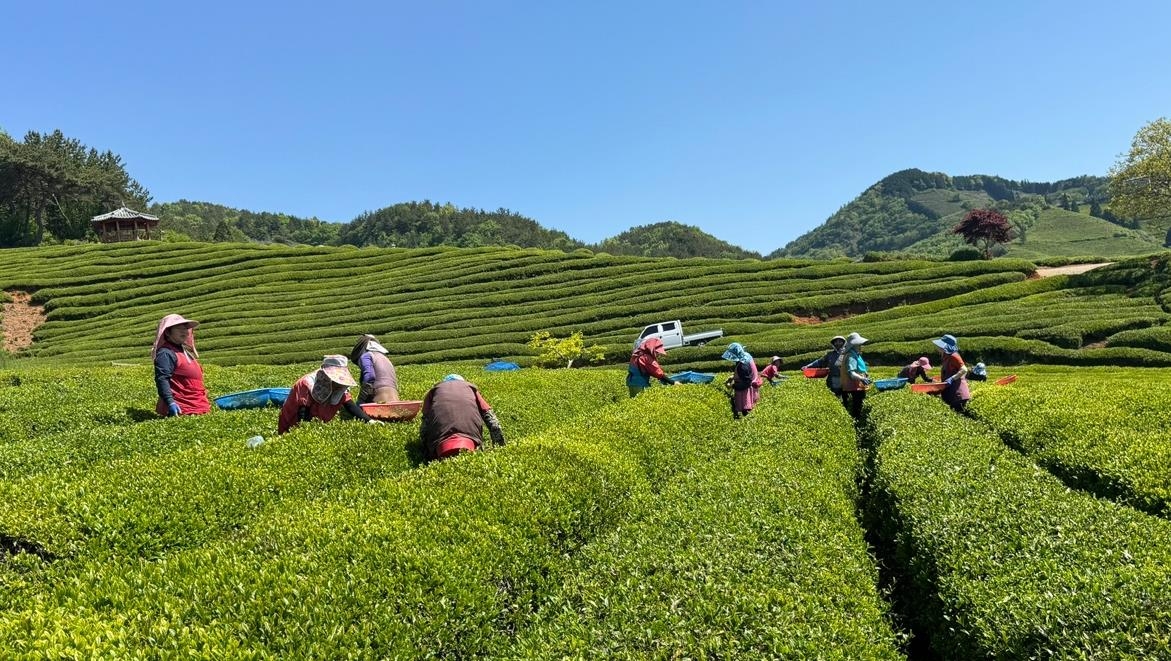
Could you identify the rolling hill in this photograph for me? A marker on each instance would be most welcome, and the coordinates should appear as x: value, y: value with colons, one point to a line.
x: 913, y: 212
x: 277, y: 304
x: 672, y: 239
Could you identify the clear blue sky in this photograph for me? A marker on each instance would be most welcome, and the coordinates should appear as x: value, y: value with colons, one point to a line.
x: 753, y: 120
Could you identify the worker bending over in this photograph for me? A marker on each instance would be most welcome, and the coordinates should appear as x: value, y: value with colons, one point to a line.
x: 771, y: 372
x: 454, y: 415
x: 644, y: 366
x: 379, y: 380
x: 916, y: 370
x: 320, y: 395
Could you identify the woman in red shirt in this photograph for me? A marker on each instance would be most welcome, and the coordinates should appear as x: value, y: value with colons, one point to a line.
x: 178, y: 375
x: 320, y: 395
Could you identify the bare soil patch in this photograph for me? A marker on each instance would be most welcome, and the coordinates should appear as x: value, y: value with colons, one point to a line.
x: 1072, y: 269
x: 19, y: 320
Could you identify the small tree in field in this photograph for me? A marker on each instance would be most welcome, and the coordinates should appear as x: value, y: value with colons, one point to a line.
x: 983, y: 229
x: 562, y: 351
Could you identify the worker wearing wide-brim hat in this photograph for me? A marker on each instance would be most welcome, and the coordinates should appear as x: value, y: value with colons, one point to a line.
x: 916, y: 370
x: 854, y: 374
x: 454, y: 416
x: 830, y: 361
x: 772, y: 371
x: 978, y: 373
x: 178, y: 375
x: 953, y: 371
x: 320, y: 394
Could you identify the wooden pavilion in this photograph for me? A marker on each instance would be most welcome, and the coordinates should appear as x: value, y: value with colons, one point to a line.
x: 124, y: 225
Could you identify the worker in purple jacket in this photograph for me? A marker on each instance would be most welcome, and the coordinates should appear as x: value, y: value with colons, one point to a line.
x: 379, y: 381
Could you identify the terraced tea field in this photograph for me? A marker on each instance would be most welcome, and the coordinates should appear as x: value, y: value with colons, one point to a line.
x: 279, y: 305
x: 608, y: 527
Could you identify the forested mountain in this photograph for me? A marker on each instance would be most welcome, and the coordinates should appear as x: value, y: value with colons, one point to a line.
x: 51, y: 185
x: 425, y: 224
x: 205, y: 221
x: 671, y: 239
x: 912, y: 207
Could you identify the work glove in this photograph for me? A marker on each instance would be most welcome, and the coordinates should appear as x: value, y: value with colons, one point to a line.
x: 949, y: 380
x: 867, y: 381
x: 372, y: 421
x: 173, y: 409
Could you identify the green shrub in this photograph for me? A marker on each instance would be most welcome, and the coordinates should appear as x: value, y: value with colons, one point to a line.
x: 1000, y: 559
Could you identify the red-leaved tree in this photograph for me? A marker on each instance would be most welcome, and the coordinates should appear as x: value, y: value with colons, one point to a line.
x: 984, y: 228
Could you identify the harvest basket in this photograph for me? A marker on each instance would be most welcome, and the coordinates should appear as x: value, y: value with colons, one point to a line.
x: 253, y: 399
x: 890, y: 384
x: 929, y: 388
x: 393, y: 411
x: 815, y: 372
x: 1004, y: 381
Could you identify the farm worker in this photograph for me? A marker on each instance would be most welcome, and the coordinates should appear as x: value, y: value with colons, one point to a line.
x: 917, y: 369
x: 321, y: 394
x: 379, y: 381
x: 771, y: 372
x: 643, y: 366
x: 178, y: 376
x: 454, y: 415
x: 854, y: 375
x: 952, y: 371
x: 829, y: 361
x: 979, y: 373
x: 745, y: 380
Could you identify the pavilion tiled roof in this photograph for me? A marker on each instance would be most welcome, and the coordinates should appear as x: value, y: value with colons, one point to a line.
x: 123, y: 214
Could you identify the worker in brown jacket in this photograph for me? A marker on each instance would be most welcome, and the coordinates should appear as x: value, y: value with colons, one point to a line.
x: 454, y: 416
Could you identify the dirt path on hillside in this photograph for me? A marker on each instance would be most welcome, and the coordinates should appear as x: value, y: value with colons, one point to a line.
x: 18, y: 321
x: 1072, y: 269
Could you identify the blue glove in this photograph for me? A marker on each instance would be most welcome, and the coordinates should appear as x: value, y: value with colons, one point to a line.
x: 949, y: 380
x: 173, y: 409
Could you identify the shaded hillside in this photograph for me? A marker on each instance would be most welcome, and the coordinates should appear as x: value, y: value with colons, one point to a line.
x: 671, y: 239
x: 912, y: 206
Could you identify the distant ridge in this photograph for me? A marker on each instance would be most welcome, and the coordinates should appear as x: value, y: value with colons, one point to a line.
x: 913, y: 211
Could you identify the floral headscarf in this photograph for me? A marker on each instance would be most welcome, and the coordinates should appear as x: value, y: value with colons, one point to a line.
x: 737, y: 354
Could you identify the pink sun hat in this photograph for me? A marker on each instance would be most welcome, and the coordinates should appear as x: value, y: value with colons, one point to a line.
x: 169, y: 321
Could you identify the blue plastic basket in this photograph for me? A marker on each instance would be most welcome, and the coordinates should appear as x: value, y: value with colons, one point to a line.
x: 890, y: 384
x: 253, y: 399
x: 692, y: 377
x: 501, y: 366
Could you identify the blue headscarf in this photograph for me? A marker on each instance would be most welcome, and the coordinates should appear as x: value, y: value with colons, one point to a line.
x: 737, y: 354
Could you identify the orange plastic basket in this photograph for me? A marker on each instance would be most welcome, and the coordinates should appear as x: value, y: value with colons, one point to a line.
x: 393, y: 411
x: 929, y: 388
x: 815, y: 372
x: 1006, y: 380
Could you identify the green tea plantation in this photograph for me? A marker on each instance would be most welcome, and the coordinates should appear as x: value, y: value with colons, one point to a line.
x: 1034, y: 526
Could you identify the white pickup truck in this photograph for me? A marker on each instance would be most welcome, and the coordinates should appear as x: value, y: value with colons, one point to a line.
x: 671, y: 334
